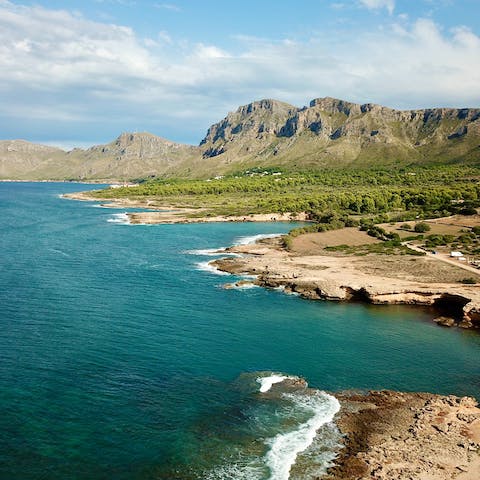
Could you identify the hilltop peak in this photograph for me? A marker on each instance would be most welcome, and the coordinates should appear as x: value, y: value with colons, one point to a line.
x: 128, y: 138
x: 267, y: 104
x: 25, y: 146
x: 336, y: 105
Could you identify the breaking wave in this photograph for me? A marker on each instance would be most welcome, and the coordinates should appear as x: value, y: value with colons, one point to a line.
x: 211, y: 252
x: 206, y: 267
x: 285, y: 447
x: 249, y: 240
x: 119, y: 218
x: 292, y: 429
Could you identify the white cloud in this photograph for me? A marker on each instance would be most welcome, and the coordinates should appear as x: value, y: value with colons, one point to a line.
x: 377, y: 4
x: 168, y: 6
x: 63, y: 71
x: 163, y: 36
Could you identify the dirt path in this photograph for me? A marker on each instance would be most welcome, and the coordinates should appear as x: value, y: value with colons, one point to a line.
x: 443, y: 258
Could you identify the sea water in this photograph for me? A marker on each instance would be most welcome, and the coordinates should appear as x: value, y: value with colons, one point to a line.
x: 122, y: 357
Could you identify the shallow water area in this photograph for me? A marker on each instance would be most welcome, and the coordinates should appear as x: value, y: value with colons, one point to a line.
x: 120, y: 358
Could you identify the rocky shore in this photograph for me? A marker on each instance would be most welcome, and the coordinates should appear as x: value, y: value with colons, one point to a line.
x: 376, y: 279
x: 407, y: 436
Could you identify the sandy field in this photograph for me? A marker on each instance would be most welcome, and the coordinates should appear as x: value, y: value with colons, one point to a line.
x: 314, y: 243
x: 444, y: 226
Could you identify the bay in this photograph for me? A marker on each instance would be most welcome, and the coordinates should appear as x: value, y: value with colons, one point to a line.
x: 120, y: 357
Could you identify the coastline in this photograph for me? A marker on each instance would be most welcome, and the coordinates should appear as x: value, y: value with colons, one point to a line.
x: 86, y: 182
x: 393, y: 435
x: 387, y: 435
x: 169, y: 214
x: 320, y: 276
x: 351, y: 278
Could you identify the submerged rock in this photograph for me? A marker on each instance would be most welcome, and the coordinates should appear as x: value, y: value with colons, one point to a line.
x: 445, y: 321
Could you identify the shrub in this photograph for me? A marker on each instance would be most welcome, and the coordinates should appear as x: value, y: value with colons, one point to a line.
x: 422, y: 227
x: 377, y: 232
x: 468, y: 281
x: 465, y: 238
x: 406, y: 226
x: 468, y: 211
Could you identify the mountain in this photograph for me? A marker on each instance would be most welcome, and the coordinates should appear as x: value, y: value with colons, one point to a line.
x: 329, y: 132
x: 334, y: 132
x: 131, y: 155
x: 18, y: 157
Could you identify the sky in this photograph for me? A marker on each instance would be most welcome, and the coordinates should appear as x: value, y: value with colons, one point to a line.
x: 75, y: 74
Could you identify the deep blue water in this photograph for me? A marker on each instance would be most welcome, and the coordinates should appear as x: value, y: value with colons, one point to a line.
x: 119, y: 358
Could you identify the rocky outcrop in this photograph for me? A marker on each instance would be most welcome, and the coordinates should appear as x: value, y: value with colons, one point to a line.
x: 403, y: 436
x: 461, y: 310
x: 345, y: 279
x: 256, y: 122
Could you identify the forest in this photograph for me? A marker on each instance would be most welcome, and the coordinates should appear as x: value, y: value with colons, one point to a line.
x: 390, y: 194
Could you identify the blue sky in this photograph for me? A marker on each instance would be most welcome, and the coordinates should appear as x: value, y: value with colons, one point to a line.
x: 80, y: 73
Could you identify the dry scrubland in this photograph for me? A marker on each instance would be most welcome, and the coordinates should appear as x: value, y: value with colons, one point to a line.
x: 405, y: 267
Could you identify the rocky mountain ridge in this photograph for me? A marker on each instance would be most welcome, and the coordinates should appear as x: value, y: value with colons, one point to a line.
x: 331, y: 130
x: 328, y: 132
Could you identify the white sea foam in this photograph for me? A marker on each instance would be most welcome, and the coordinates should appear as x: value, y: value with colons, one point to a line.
x: 206, y: 267
x: 207, y: 252
x: 267, y: 382
x: 244, y: 286
x: 100, y: 205
x: 236, y: 471
x: 312, y: 440
x: 253, y: 238
x: 281, y: 288
x: 61, y: 252
x: 120, y: 218
x: 211, y: 252
x: 285, y: 447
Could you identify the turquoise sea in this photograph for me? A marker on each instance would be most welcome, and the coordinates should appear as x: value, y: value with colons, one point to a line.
x: 121, y: 357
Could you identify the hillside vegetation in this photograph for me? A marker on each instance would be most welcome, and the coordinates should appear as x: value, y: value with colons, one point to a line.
x: 394, y: 194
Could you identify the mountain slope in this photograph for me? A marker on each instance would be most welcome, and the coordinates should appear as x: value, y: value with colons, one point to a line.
x: 327, y: 133
x: 131, y: 155
x: 18, y: 157
x: 334, y: 132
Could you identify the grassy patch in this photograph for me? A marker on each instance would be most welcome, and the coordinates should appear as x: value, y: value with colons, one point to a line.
x: 384, y: 248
